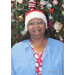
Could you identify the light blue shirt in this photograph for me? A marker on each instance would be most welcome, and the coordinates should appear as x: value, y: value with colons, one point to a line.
x: 23, y: 63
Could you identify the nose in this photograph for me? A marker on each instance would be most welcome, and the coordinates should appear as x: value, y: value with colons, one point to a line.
x: 35, y: 25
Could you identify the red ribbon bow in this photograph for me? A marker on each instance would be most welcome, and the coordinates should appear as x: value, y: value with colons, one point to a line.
x: 51, y: 10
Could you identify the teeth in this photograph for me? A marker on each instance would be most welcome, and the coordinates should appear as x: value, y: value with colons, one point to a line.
x: 36, y: 30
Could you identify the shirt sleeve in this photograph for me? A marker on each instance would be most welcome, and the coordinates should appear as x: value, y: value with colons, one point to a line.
x: 12, y: 66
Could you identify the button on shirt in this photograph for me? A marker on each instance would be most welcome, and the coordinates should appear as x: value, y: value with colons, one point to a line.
x: 38, y: 60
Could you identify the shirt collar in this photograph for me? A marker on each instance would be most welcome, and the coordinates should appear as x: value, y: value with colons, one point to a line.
x: 27, y: 43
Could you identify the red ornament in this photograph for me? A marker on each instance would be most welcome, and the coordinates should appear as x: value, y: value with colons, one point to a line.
x: 55, y: 2
x: 32, y: 4
x: 63, y: 25
x: 61, y: 39
x: 20, y: 1
x: 51, y: 10
x: 41, y: 6
x: 12, y: 5
x: 38, y: 2
x: 16, y: 42
x: 12, y: 1
x: 62, y: 5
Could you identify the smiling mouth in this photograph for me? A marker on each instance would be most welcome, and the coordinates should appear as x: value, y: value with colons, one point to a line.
x: 37, y: 30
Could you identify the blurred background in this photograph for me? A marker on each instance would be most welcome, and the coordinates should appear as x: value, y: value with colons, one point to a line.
x: 54, y: 10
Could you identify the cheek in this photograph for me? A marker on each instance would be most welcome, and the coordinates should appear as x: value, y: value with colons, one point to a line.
x: 43, y: 27
x: 29, y: 29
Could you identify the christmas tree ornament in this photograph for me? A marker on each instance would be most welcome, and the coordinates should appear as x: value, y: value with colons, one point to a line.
x: 51, y: 10
x: 38, y: 5
x: 12, y: 5
x: 51, y: 18
x: 55, y: 35
x: 60, y: 38
x: 55, y: 2
x: 19, y: 5
x: 20, y: 1
x: 20, y: 18
x: 50, y: 24
x: 41, y: 6
x: 62, y: 41
x: 62, y: 13
x: 12, y: 1
x: 49, y: 5
x: 13, y: 10
x: 57, y: 26
x: 12, y: 17
x: 62, y: 5
x: 43, y: 2
x: 16, y: 42
x: 32, y: 4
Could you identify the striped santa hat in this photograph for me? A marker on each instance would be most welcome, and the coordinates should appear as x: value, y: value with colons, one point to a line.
x: 35, y: 13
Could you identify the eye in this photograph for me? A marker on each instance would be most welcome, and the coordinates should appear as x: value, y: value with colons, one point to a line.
x: 31, y: 23
x: 40, y: 22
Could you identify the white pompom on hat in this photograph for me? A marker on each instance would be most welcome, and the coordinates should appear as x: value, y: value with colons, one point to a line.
x: 35, y: 13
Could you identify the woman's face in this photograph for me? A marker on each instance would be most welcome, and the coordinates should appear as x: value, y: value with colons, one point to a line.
x: 36, y: 28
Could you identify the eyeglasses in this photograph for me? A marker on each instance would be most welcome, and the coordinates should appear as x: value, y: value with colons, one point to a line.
x: 38, y: 23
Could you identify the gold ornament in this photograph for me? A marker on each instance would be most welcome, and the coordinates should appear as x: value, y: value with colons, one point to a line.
x: 51, y: 18
x: 20, y: 18
x: 57, y: 26
x: 62, y: 13
x: 57, y: 31
x: 55, y: 35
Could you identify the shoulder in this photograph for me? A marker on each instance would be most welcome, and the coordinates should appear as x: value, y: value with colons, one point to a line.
x: 20, y: 45
x: 55, y: 43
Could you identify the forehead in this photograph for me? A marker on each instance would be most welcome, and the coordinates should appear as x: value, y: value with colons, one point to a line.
x: 35, y: 19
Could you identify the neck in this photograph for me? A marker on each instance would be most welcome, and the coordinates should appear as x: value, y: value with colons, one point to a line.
x: 37, y: 41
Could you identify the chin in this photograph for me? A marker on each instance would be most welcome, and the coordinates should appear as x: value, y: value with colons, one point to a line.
x: 38, y: 36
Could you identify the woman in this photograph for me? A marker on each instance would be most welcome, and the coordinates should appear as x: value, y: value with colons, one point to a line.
x: 37, y: 54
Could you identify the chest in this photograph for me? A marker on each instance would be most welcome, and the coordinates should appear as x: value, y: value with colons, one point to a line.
x: 38, y: 61
x: 25, y: 64
x: 38, y: 48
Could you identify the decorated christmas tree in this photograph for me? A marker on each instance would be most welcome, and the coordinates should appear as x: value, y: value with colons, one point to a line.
x: 54, y: 10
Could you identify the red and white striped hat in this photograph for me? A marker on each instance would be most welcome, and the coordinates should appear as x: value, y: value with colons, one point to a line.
x: 35, y: 13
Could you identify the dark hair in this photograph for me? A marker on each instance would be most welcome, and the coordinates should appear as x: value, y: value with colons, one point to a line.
x: 48, y: 33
